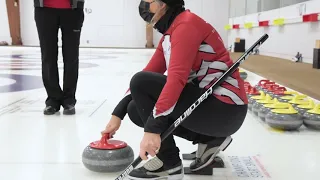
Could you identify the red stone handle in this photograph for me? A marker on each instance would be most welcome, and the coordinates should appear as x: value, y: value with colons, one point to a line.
x: 281, y: 88
x: 263, y: 82
x: 104, y: 139
x: 273, y: 87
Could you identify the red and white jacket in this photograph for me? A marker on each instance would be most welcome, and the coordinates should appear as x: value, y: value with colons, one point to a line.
x: 191, y: 50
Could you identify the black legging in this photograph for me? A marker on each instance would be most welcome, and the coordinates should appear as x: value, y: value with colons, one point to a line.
x: 212, y: 119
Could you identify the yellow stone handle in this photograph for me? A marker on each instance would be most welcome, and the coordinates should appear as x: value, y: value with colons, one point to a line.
x: 291, y: 92
x: 311, y: 102
x: 317, y: 107
x: 291, y: 108
x: 268, y: 97
x: 315, y: 110
x: 299, y: 97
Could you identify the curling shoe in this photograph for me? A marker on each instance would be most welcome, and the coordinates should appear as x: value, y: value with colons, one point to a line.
x: 155, y: 169
x: 207, y: 152
x: 69, y: 110
x: 50, y: 110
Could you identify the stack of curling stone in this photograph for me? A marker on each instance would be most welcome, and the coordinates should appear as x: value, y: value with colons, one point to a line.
x: 312, y: 118
x: 298, y: 100
x: 107, y: 156
x: 289, y: 97
x: 266, y: 108
x: 259, y: 103
x: 305, y: 107
x: 284, y: 119
x: 253, y: 97
x: 243, y: 74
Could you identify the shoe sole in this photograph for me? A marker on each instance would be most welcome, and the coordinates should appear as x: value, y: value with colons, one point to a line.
x: 222, y: 147
x: 172, y: 177
x: 50, y: 113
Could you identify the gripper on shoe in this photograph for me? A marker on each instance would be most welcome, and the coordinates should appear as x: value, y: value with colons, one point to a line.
x: 191, y: 156
x: 216, y: 163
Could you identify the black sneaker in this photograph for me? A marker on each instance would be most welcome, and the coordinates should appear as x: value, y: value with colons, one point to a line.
x: 50, y: 110
x: 207, y: 152
x: 69, y: 110
x: 154, y: 169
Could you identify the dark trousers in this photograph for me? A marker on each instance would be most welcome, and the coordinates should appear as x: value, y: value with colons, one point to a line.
x: 212, y: 120
x: 48, y: 22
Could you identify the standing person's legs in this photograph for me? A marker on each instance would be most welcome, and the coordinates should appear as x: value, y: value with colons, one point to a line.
x: 71, y: 26
x: 47, y: 22
x: 210, y: 125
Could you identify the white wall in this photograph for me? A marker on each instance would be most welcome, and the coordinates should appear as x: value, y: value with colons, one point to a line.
x: 118, y: 24
x: 215, y: 12
x: 290, y: 2
x: 286, y: 41
x: 4, y: 27
x: 267, y: 5
x: 237, y: 7
x: 253, y: 6
x: 29, y: 33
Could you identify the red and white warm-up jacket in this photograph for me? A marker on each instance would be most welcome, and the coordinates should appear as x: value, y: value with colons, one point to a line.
x: 192, y: 50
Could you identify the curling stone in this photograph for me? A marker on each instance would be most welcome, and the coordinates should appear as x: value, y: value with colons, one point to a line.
x: 274, y: 88
x: 248, y: 90
x: 243, y: 74
x: 253, y: 99
x: 299, y: 100
x: 312, y: 118
x: 261, y: 83
x: 305, y: 107
x: 265, y: 86
x: 247, y: 86
x: 252, y: 92
x: 258, y: 104
x: 270, y: 88
x: 246, y: 83
x: 284, y: 119
x: 290, y: 97
x: 107, y: 155
x: 266, y: 108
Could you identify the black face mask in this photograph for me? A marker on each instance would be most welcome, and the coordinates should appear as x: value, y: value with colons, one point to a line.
x: 144, y: 11
x: 166, y: 20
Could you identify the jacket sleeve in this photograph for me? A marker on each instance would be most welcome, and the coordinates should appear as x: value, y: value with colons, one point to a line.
x: 156, y: 64
x: 121, y: 109
x: 185, y: 43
